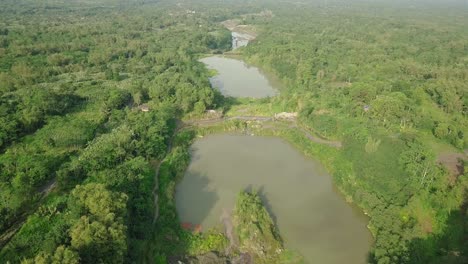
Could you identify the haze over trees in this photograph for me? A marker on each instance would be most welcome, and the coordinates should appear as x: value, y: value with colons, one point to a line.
x: 389, y: 80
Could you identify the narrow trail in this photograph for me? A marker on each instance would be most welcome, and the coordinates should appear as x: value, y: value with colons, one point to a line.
x: 306, y: 132
x: 10, y: 232
x: 47, y: 188
x: 157, y: 168
x: 217, y: 120
x: 331, y: 143
x: 243, y: 257
x: 226, y: 220
x: 155, y: 191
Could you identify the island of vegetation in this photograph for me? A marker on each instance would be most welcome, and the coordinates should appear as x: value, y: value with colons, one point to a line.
x: 100, y: 102
x: 252, y: 237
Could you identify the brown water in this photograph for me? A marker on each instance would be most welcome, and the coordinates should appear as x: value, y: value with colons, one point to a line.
x: 311, y: 216
x: 238, y: 79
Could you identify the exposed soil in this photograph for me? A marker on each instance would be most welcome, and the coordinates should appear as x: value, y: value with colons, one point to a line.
x: 235, y: 26
x: 231, y: 23
x: 453, y: 162
x: 226, y: 219
x: 48, y: 187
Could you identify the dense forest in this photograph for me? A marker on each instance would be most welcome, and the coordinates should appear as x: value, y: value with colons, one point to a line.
x: 392, y: 84
x: 72, y: 79
x: 78, y: 156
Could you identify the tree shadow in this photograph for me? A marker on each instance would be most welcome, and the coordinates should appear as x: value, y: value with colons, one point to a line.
x: 194, y: 155
x: 449, y: 247
x: 198, y: 201
x: 172, y: 236
x: 227, y: 102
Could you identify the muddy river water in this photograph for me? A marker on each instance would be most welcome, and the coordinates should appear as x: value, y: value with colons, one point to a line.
x: 312, y: 217
x: 238, y: 79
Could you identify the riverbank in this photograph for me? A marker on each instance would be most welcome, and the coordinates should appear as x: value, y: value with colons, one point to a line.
x: 174, y: 240
x: 263, y: 124
x: 373, y: 169
x: 365, y: 170
x: 170, y: 230
x: 369, y: 169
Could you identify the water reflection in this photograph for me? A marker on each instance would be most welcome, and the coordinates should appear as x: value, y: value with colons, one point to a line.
x: 236, y: 78
x: 311, y: 216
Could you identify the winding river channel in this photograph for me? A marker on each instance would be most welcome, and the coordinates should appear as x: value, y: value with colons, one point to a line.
x: 312, y: 217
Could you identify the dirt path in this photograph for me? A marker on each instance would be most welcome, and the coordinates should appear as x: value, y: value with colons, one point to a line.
x: 155, y: 192
x: 214, y: 121
x: 226, y: 220
x: 157, y: 168
x: 335, y: 144
x: 308, y: 134
x: 47, y: 188
x: 8, y: 234
x: 243, y: 257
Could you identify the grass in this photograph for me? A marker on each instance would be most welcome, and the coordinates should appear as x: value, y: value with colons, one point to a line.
x: 252, y: 107
x: 257, y: 233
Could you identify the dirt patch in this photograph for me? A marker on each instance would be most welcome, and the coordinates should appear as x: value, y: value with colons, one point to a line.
x: 247, y: 30
x: 231, y: 23
x: 235, y: 25
x: 453, y: 162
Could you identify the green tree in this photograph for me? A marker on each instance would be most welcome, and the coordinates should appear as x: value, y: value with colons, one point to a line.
x: 100, y: 233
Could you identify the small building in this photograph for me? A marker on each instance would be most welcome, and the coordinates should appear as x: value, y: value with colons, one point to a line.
x: 213, y: 113
x: 144, y: 108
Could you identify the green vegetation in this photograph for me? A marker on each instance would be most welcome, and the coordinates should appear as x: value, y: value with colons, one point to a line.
x: 379, y: 81
x: 257, y: 232
x: 78, y: 158
x: 170, y: 239
x: 75, y: 175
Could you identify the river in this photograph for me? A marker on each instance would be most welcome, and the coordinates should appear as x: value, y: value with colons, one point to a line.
x: 238, y: 79
x: 312, y: 217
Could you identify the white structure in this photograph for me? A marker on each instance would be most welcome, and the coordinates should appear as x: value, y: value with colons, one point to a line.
x: 286, y: 115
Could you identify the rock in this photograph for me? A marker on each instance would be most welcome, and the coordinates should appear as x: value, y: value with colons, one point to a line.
x: 243, y: 258
x: 207, y: 258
